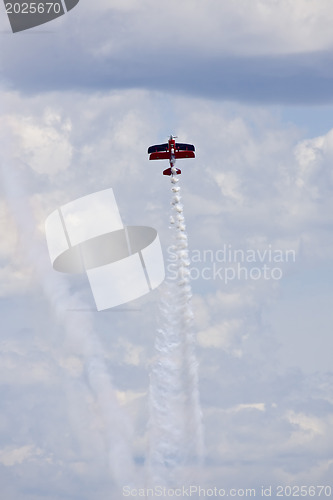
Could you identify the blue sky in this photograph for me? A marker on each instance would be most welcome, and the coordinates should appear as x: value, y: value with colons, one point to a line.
x: 250, y: 84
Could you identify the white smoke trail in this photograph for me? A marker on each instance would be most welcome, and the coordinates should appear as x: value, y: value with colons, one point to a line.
x: 175, y: 428
x: 185, y: 321
x: 79, y: 330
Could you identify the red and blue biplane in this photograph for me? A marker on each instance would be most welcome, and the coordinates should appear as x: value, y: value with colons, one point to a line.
x: 171, y: 151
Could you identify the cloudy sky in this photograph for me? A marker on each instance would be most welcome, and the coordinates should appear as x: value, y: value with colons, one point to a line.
x: 250, y: 83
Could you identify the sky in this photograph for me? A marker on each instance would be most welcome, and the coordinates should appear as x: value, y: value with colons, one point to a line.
x: 250, y: 84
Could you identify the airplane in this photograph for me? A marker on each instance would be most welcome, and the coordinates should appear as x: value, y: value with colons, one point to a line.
x: 171, y: 151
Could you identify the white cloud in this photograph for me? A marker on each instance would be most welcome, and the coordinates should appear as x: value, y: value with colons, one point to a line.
x: 221, y: 335
x: 11, y: 456
x: 15, y: 275
x: 250, y: 403
x: 45, y: 145
x: 308, y: 428
x: 7, y: 228
x: 229, y: 184
x: 259, y: 27
x: 242, y: 407
x: 73, y: 365
x: 255, y: 52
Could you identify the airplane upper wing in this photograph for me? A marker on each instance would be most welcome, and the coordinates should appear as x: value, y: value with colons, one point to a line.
x: 158, y: 148
x: 184, y: 147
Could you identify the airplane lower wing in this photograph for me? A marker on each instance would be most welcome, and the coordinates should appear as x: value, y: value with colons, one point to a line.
x: 184, y: 154
x: 160, y: 156
x: 166, y: 155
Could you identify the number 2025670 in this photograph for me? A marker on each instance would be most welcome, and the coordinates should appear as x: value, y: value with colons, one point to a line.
x: 33, y: 8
